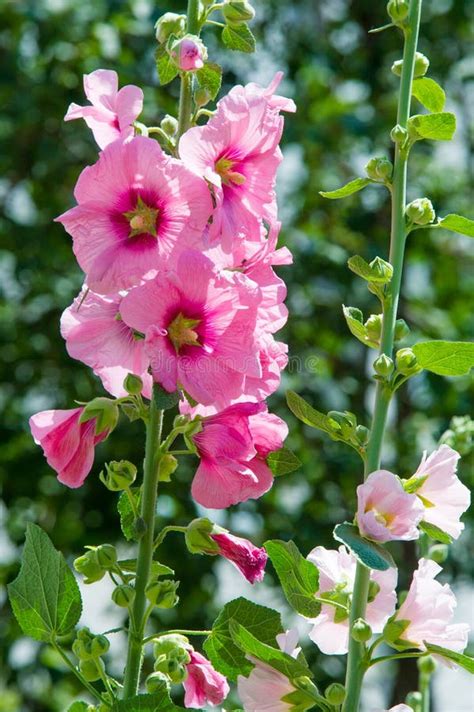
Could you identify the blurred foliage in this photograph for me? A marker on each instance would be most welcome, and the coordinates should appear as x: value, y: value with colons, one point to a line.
x: 340, y: 77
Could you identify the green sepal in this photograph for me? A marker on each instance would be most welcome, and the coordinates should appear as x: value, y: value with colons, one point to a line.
x: 349, y: 189
x: 282, y: 461
x: 429, y: 93
x: 393, y: 630
x: 461, y: 659
x: 238, y: 37
x: 367, y: 552
x: 457, y: 223
x: 210, y: 79
x: 414, y: 483
x: 437, y: 127
x: 371, y: 272
x: 355, y: 321
x: 445, y: 358
x: 299, y: 578
x: 435, y: 533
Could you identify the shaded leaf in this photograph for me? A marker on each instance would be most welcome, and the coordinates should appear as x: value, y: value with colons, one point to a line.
x: 282, y: 461
x: 238, y: 37
x: 367, y: 552
x: 438, y: 127
x: 127, y: 515
x: 353, y: 187
x: 299, y: 577
x: 163, y: 399
x: 446, y: 358
x: 464, y: 661
x: 457, y: 223
x: 429, y: 93
x: 159, y: 701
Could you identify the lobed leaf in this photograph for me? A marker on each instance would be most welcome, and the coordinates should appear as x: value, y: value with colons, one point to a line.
x: 461, y: 659
x: 352, y: 187
x: 282, y: 461
x: 210, y: 78
x: 299, y: 577
x: 45, y: 597
x: 457, y: 223
x: 429, y: 93
x: 445, y: 358
x: 367, y: 552
x: 238, y: 37
x: 438, y: 127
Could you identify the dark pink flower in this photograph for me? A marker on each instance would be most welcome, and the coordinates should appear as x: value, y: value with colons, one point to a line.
x: 67, y: 443
x: 203, y: 685
x: 112, y: 112
x: 249, y: 559
x: 137, y: 208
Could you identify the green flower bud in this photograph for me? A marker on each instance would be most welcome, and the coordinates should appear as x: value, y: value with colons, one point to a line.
x: 374, y: 590
x: 381, y: 269
x: 169, y: 24
x: 133, y: 384
x: 163, y: 593
x: 123, y: 595
x: 420, y: 212
x: 398, y: 134
x: 397, y: 10
x: 168, y: 465
x: 422, y: 64
x: 198, y: 538
x: 105, y: 411
x: 406, y: 362
x: 414, y: 700
x: 397, y: 67
x: 82, y: 649
x: 426, y: 665
x: 169, y: 125
x: 99, y: 646
x: 172, y: 646
x: 120, y: 475
x: 379, y: 169
x: 342, y: 423
x: 335, y: 694
x: 155, y: 681
x: 237, y: 11
x: 106, y: 555
x: 361, y: 631
x: 88, y: 565
x: 438, y: 553
x: 374, y: 327
x: 383, y: 366
x: 362, y: 434
x: 401, y: 329
x: 177, y: 672
x: 90, y: 669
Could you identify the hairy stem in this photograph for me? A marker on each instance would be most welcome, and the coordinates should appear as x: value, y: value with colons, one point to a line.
x: 145, y: 550
x: 356, y: 662
x: 186, y: 93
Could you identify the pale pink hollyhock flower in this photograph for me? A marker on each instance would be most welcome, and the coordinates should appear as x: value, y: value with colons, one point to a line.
x: 337, y: 569
x: 400, y: 708
x: 112, y: 111
x: 96, y: 334
x: 203, y: 685
x: 385, y: 511
x: 188, y: 53
x: 137, y: 208
x: 233, y: 446
x: 200, y: 329
x: 429, y: 608
x: 265, y: 688
x: 249, y: 559
x: 68, y: 445
x: 237, y: 152
x: 443, y: 494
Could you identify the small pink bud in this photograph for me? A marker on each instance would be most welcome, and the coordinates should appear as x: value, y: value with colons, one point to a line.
x: 188, y: 53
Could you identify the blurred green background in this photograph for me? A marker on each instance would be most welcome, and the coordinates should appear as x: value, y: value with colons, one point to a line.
x: 340, y: 77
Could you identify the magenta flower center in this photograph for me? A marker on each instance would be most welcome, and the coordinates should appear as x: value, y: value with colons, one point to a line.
x: 181, y: 331
x: 224, y: 167
x: 142, y: 219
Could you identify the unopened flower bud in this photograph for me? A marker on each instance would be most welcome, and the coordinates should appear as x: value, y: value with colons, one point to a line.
x: 188, y: 53
x: 344, y: 423
x: 163, y: 593
x: 106, y: 555
x: 401, y: 329
x: 133, y: 384
x: 169, y: 24
x: 381, y: 269
x: 172, y: 646
x: 420, y: 212
x: 406, y: 361
x: 374, y: 590
x: 237, y: 11
x: 361, y: 631
x: 335, y: 694
x: 82, y: 645
x: 422, y: 64
x: 397, y: 10
x: 99, y: 646
x: 105, y: 411
x: 438, y: 553
x: 154, y: 682
x: 398, y: 134
x: 379, y: 169
x: 374, y: 327
x: 198, y: 537
x: 167, y: 466
x: 119, y: 475
x: 91, y: 669
x: 123, y: 595
x: 177, y: 672
x: 169, y: 125
x: 426, y: 665
x: 414, y: 700
x: 383, y: 366
x: 362, y: 434
x: 88, y: 565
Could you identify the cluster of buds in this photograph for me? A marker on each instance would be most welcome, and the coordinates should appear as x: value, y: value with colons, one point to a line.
x: 162, y: 594
x: 172, y: 654
x: 379, y: 169
x: 89, y: 648
x: 96, y: 562
x: 420, y: 212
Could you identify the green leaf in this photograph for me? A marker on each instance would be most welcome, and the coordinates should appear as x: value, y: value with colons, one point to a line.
x: 157, y: 702
x: 429, y: 93
x: 127, y: 515
x: 299, y: 577
x: 354, y: 320
x: 353, y: 187
x: 45, y: 596
x: 210, y: 78
x: 282, y: 461
x: 461, y: 659
x: 362, y: 268
x: 435, y: 532
x: 157, y: 569
x: 163, y: 399
x: 78, y: 707
x: 367, y: 552
x: 269, y: 654
x: 446, y: 358
x: 438, y: 127
x: 167, y: 69
x: 457, y: 223
x: 238, y: 37
x: 305, y: 412
x: 228, y: 658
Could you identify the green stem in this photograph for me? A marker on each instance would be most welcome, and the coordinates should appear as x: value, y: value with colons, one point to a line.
x: 186, y: 93
x: 398, y: 656
x: 145, y: 550
x: 356, y: 662
x: 424, y: 685
x: 165, y: 531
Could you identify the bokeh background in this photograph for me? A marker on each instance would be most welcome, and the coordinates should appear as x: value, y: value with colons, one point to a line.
x: 340, y: 77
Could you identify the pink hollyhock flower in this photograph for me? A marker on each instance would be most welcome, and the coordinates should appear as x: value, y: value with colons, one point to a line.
x: 200, y: 329
x: 249, y: 559
x: 266, y: 688
x: 400, y: 708
x: 112, y: 112
x: 337, y: 572
x: 428, y: 609
x: 96, y: 335
x: 385, y: 511
x: 68, y: 444
x: 188, y: 53
x: 237, y: 152
x: 203, y: 685
x: 443, y: 494
x: 137, y: 207
x: 233, y: 445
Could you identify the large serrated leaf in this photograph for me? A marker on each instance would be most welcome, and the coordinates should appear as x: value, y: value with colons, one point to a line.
x: 429, y: 93
x: 238, y: 37
x: 45, y: 596
x: 299, y: 577
x: 457, y: 223
x: 445, y: 358
x: 352, y: 187
x: 263, y: 623
x: 159, y: 701
x: 437, y: 127
x: 282, y: 461
x: 367, y: 552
